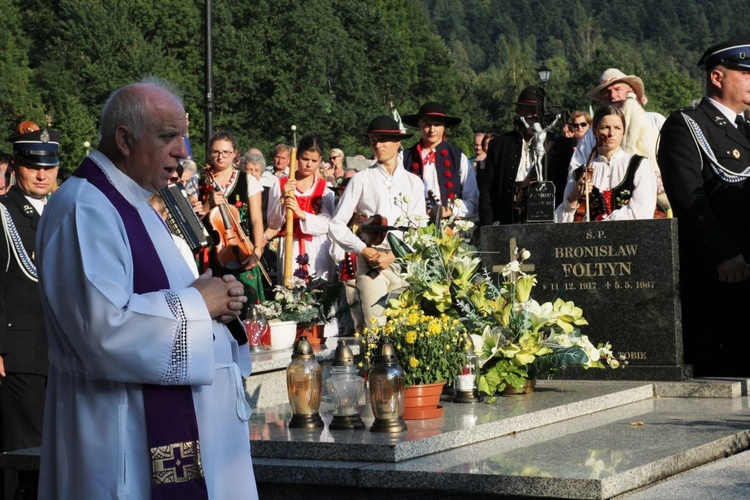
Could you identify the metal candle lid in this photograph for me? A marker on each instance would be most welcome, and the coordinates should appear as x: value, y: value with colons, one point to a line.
x: 252, y: 312
x: 302, y: 349
x: 387, y: 354
x: 343, y: 355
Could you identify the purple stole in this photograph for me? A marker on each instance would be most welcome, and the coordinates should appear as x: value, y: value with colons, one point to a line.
x: 171, y: 425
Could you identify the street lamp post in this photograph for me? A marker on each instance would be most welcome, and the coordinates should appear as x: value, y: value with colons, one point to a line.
x: 209, y: 79
x: 541, y: 103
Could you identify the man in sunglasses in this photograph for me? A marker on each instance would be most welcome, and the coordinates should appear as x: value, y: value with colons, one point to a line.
x: 615, y: 87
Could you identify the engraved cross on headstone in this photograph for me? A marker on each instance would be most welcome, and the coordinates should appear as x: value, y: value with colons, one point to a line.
x: 524, y: 267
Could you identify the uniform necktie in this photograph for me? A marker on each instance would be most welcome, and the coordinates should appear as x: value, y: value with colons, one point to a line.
x: 742, y: 125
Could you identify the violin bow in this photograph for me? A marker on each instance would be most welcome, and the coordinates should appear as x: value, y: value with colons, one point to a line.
x: 592, y: 155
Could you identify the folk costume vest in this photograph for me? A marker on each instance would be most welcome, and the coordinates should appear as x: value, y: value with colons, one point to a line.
x: 447, y: 165
x: 605, y: 202
x: 310, y: 204
x: 171, y: 424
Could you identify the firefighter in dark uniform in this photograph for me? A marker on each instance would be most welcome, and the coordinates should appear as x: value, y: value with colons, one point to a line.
x: 704, y: 155
x: 23, y: 340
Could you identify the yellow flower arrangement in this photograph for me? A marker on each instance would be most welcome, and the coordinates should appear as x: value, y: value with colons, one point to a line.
x: 428, y: 347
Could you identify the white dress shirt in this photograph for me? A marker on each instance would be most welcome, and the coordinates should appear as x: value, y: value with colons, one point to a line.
x: 609, y: 174
x: 373, y: 191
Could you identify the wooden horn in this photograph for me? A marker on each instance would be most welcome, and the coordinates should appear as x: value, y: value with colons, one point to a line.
x: 289, y: 240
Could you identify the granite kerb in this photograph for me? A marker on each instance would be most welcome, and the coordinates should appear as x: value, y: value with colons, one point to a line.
x: 548, y: 405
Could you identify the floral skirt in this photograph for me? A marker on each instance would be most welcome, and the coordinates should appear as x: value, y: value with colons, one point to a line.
x: 252, y: 281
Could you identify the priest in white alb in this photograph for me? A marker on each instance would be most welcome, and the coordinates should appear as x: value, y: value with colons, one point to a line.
x: 145, y: 397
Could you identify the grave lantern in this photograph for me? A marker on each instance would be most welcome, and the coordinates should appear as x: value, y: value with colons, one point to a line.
x: 387, y: 387
x: 304, y: 385
x: 255, y: 327
x: 345, y: 387
x: 465, y: 382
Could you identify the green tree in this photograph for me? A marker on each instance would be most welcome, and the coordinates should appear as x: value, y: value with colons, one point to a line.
x: 19, y: 98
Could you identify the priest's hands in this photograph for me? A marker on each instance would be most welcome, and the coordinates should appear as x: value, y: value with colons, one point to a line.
x: 224, y: 297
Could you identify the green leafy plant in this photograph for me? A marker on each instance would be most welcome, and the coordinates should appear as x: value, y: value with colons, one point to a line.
x: 300, y: 302
x: 516, y: 337
x: 297, y: 304
x: 521, y: 339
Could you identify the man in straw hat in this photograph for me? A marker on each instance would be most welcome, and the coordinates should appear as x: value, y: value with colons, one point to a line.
x: 443, y: 167
x: 509, y: 166
x: 704, y: 153
x: 641, y: 126
x: 23, y: 340
x: 387, y: 189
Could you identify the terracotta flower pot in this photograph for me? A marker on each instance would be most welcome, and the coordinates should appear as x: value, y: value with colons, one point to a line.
x: 422, y: 401
x: 315, y: 334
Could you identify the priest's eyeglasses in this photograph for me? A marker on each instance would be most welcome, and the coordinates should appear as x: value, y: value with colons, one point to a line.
x: 576, y: 126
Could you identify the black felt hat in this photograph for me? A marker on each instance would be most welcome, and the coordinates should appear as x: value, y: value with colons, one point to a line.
x: 34, y: 146
x: 385, y: 126
x: 527, y: 97
x: 432, y: 110
x: 733, y: 53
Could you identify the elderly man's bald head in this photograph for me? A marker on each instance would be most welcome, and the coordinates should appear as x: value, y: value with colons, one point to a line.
x: 129, y: 106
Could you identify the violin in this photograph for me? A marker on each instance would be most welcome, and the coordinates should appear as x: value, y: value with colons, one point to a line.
x: 233, y: 248
x: 583, y: 213
x: 434, y: 208
x: 372, y: 231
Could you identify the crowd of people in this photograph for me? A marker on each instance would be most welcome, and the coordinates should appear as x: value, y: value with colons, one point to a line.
x: 137, y: 332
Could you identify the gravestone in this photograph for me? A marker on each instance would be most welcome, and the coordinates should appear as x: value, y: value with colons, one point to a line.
x: 624, y: 275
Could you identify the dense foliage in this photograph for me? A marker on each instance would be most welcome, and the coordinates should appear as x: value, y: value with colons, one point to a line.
x: 328, y: 66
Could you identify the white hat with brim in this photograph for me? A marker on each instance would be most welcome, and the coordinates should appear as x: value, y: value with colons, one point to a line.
x: 612, y: 76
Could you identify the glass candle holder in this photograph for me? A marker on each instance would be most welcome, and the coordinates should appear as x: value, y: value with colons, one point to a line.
x: 465, y: 383
x: 304, y: 387
x: 345, y: 387
x: 387, y: 385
